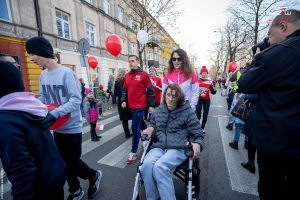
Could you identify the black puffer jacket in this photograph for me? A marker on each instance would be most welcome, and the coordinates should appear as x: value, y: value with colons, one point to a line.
x: 173, y: 128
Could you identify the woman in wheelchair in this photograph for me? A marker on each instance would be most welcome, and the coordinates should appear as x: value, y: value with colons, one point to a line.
x: 172, y: 123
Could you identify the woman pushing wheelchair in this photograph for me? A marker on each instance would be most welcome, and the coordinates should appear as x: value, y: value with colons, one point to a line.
x: 172, y: 123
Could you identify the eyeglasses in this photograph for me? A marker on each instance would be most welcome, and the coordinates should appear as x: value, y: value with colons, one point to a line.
x: 179, y: 59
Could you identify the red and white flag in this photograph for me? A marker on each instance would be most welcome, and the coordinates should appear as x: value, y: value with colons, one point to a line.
x: 99, y: 127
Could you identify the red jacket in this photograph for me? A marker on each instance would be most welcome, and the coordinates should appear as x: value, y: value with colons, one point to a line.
x: 134, y: 90
x: 204, y: 87
x: 157, y: 85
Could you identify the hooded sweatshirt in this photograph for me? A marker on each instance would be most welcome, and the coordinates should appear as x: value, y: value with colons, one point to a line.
x: 190, y: 87
x: 28, y: 152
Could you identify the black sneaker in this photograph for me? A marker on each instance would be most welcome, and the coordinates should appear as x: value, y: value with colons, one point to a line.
x: 229, y: 127
x: 94, y: 185
x: 234, y: 145
x: 77, y: 196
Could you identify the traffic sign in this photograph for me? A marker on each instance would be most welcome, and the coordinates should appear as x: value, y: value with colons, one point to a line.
x: 83, y: 46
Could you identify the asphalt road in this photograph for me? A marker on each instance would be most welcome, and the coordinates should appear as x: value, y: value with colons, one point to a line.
x: 222, y: 176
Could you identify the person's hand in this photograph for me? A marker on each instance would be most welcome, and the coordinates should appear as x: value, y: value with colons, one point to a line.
x: 215, y: 89
x: 150, y: 109
x: 196, y: 148
x: 257, y: 51
x: 123, y: 105
x: 148, y: 132
x: 203, y: 95
x: 230, y: 119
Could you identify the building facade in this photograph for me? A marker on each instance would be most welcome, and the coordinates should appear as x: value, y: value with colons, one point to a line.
x: 64, y: 23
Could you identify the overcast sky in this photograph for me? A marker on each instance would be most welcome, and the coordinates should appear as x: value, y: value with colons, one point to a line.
x: 197, y: 25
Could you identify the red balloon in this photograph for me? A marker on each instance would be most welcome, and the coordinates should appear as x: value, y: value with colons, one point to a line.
x: 93, y: 62
x: 60, y: 120
x: 113, y: 44
x: 232, y: 66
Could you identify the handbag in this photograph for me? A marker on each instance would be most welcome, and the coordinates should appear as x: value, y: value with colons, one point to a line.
x: 231, y: 94
x: 241, y: 109
x: 224, y: 92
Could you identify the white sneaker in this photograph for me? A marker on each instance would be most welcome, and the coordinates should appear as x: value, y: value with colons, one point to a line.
x: 132, y: 157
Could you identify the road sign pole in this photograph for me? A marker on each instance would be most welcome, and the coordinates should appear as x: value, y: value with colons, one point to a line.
x: 87, y: 72
x: 84, y: 48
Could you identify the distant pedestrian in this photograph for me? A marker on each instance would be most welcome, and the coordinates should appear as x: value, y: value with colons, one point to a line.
x: 82, y: 84
x: 100, y: 95
x: 124, y: 113
x: 91, y: 112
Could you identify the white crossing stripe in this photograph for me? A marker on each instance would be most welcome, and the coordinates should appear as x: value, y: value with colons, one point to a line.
x: 240, y: 178
x: 119, y: 156
x: 216, y: 106
x: 88, y: 145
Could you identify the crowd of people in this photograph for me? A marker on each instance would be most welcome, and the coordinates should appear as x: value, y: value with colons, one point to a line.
x: 37, y: 164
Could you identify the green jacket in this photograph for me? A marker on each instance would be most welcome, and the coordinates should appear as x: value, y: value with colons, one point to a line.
x: 100, y: 95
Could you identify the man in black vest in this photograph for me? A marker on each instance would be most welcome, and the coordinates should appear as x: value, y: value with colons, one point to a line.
x: 274, y: 76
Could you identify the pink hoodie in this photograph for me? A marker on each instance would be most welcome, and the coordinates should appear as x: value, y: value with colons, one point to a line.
x: 25, y: 102
x: 189, y: 87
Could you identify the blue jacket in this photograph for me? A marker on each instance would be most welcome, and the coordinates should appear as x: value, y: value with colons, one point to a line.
x: 29, y: 155
x: 234, y: 102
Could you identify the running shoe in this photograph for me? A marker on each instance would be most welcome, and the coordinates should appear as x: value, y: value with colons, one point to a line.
x: 78, y: 196
x: 94, y: 185
x: 132, y: 157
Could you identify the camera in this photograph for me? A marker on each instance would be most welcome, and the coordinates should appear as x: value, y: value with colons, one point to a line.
x: 262, y: 45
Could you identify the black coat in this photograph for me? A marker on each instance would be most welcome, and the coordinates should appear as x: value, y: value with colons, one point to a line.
x: 248, y: 127
x: 275, y: 76
x: 29, y: 155
x: 123, y: 112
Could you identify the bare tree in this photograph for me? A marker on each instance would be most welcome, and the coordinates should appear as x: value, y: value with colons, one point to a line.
x: 154, y: 17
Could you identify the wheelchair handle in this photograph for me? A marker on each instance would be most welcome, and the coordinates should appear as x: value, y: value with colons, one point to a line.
x: 189, y: 152
x: 144, y: 137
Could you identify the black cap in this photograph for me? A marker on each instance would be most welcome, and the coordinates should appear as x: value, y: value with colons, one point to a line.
x: 39, y: 46
x: 10, y: 79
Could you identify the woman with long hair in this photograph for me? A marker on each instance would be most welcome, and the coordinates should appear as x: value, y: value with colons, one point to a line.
x: 124, y: 113
x: 180, y: 72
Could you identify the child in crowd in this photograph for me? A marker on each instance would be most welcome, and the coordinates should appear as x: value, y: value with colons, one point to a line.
x: 100, y: 96
x: 90, y: 112
x: 239, y: 124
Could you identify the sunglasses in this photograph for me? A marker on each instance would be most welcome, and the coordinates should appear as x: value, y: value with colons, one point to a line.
x: 179, y: 59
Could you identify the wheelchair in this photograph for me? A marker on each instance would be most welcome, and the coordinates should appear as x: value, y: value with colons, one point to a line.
x: 188, y: 171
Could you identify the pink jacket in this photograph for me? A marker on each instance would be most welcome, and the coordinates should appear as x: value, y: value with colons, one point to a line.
x: 91, y: 114
x: 189, y: 87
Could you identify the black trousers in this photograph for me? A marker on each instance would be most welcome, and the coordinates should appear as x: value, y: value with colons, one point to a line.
x: 93, y: 128
x: 205, y: 103
x: 58, y: 196
x: 229, y: 102
x: 251, y: 150
x: 69, y: 147
x: 125, y: 127
x: 147, y: 108
x: 278, y: 177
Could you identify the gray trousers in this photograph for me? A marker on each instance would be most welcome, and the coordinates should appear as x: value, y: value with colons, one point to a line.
x: 157, y: 171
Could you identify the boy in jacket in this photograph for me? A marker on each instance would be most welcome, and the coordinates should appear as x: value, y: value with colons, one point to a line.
x: 28, y: 152
x: 59, y: 85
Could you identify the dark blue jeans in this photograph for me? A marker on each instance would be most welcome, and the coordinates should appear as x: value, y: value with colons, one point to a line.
x: 137, y: 125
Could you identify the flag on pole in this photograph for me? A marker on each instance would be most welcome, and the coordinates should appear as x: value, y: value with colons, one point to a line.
x: 99, y: 127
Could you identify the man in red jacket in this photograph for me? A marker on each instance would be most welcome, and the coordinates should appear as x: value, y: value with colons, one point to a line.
x: 134, y: 91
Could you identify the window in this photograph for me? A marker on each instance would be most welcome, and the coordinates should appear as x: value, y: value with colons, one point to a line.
x: 111, y: 71
x: 5, y: 10
x: 121, y: 12
x: 107, y: 34
x: 131, y: 22
x: 90, y: 34
x: 155, y: 56
x: 150, y: 55
x: 63, y: 25
x: 107, y: 6
x: 89, y: 1
x: 123, y: 46
x: 133, y: 49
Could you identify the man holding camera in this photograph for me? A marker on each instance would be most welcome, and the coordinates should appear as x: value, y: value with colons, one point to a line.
x: 275, y: 76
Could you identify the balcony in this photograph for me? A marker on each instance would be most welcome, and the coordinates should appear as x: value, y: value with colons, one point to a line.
x: 153, y: 42
x: 153, y: 63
